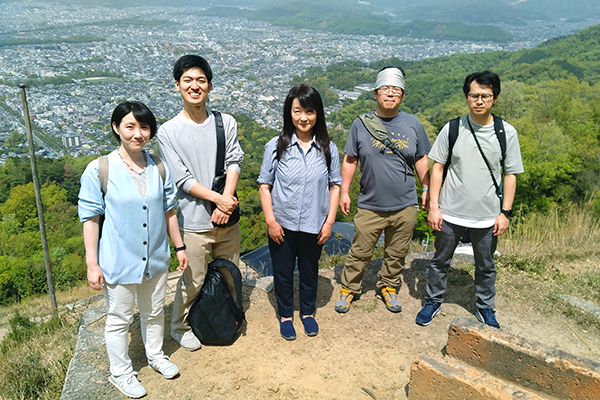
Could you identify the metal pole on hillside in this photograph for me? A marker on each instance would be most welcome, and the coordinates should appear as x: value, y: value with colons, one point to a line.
x: 38, y: 196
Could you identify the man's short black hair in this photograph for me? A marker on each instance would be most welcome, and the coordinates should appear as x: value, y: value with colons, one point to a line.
x: 485, y: 78
x: 190, y: 61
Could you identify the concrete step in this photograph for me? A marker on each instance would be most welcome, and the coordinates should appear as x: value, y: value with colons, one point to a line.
x: 446, y: 378
x: 526, y: 363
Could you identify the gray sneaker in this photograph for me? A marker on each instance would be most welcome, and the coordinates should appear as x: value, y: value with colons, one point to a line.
x: 165, y: 367
x: 128, y: 385
x: 187, y: 340
x: 342, y: 305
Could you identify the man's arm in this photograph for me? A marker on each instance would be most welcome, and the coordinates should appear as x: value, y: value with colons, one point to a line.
x: 434, y: 219
x: 510, y: 187
x: 234, y: 155
x: 348, y: 170
x: 422, y: 167
x: 221, y: 214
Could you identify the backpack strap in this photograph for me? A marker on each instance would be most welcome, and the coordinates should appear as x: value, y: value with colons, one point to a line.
x: 501, y: 135
x: 220, y: 165
x: 452, y: 136
x: 160, y: 165
x: 103, y: 171
x: 232, y: 276
x: 498, y: 186
x: 376, y: 128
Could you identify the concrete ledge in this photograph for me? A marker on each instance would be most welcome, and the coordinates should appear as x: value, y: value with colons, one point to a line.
x: 449, y: 379
x: 88, y: 370
x: 524, y: 362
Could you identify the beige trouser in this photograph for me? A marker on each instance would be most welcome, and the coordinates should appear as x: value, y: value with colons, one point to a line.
x: 221, y: 243
x: 398, y: 227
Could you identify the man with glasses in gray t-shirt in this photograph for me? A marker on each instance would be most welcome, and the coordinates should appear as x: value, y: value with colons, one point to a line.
x: 470, y: 197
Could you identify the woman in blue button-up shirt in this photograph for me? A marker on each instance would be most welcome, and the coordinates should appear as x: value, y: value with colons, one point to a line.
x: 128, y: 254
x: 299, y: 187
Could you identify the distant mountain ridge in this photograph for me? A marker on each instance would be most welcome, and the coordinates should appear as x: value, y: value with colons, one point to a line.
x: 476, y: 20
x: 328, y: 18
x: 577, y: 55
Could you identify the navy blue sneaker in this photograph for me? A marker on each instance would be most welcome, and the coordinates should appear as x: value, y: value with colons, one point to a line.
x: 286, y: 328
x: 487, y: 317
x: 311, y: 328
x: 429, y: 310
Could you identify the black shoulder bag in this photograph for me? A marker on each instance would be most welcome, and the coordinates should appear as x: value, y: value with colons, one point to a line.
x: 218, y: 184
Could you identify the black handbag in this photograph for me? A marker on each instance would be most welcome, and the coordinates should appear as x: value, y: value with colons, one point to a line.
x: 218, y: 184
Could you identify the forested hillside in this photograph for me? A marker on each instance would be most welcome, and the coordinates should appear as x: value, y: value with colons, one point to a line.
x: 551, y: 94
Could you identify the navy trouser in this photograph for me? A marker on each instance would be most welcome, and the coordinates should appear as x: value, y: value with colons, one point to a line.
x: 484, y: 245
x: 304, y: 247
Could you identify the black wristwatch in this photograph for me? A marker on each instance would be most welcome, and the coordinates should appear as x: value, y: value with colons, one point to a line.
x: 508, y: 213
x: 180, y: 248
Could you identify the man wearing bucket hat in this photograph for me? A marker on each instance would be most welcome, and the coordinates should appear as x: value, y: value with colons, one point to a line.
x: 387, y: 202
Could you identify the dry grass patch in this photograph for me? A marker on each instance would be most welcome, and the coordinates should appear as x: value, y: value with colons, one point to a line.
x: 34, y: 357
x: 536, y: 240
x: 40, y: 305
x: 548, y: 255
x: 36, y: 351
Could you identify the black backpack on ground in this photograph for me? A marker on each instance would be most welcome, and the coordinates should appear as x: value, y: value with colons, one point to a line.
x: 217, y: 314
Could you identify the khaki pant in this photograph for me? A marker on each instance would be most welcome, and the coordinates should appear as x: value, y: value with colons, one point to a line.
x: 221, y: 243
x: 398, y: 227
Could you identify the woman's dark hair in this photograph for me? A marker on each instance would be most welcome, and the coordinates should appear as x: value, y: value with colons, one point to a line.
x: 190, y: 61
x: 141, y: 113
x: 309, y: 98
x: 485, y: 78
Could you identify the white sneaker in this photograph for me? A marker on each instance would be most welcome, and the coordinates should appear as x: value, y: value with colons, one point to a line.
x: 128, y: 385
x: 187, y: 340
x: 165, y: 367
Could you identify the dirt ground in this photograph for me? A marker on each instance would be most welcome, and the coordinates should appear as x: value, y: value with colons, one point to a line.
x: 364, y: 354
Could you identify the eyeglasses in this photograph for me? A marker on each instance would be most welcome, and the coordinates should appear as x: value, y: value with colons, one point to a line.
x: 486, y: 97
x: 396, y: 91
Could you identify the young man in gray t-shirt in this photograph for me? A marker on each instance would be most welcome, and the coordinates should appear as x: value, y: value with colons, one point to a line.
x: 388, y: 199
x: 189, y: 146
x: 468, y: 198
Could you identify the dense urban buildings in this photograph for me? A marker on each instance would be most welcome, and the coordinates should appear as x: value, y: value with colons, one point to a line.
x: 253, y: 63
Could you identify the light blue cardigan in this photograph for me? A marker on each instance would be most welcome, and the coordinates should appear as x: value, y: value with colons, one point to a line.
x: 134, y: 244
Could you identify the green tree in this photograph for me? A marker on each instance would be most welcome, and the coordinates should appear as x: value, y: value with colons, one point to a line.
x: 22, y: 205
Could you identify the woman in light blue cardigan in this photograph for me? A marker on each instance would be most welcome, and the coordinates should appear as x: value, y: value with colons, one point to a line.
x: 128, y: 254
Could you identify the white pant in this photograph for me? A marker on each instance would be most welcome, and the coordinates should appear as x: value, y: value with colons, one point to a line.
x: 120, y: 305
